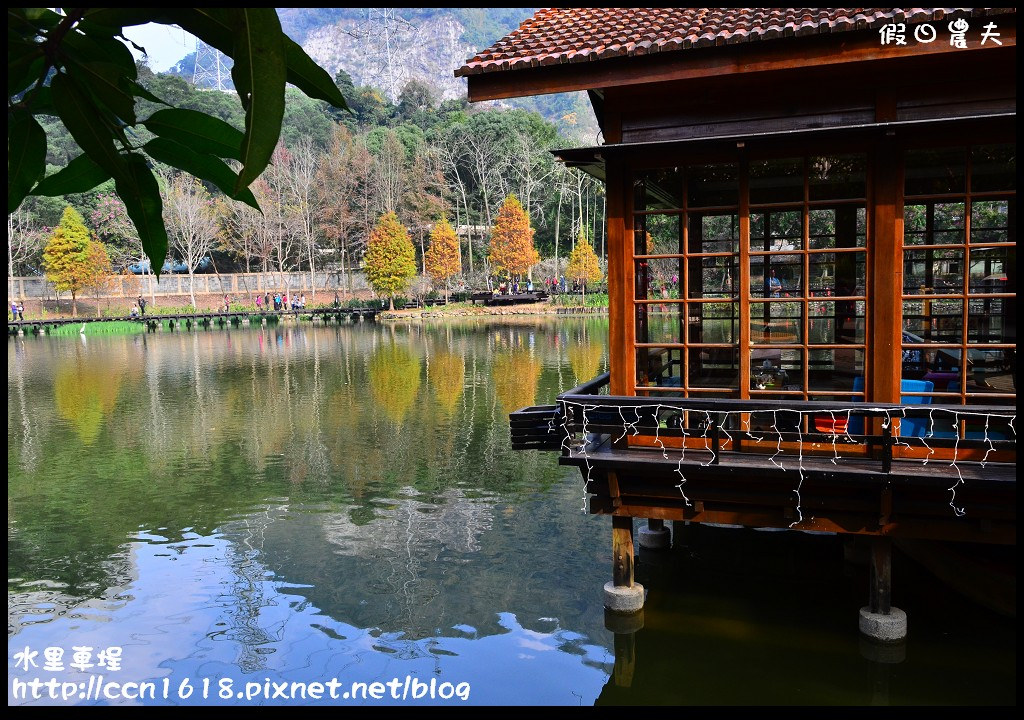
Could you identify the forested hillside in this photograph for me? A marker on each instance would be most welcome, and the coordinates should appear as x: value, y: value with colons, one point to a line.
x: 336, y: 173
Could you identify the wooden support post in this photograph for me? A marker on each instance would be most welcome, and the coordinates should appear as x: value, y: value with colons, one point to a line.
x: 625, y: 659
x: 880, y: 600
x: 622, y: 551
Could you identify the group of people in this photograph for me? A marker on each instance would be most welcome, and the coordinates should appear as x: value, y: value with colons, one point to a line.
x: 139, y: 308
x: 514, y: 287
x: 280, y: 301
x: 17, y: 310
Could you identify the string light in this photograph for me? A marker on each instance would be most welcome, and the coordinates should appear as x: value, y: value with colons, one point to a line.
x: 745, y: 423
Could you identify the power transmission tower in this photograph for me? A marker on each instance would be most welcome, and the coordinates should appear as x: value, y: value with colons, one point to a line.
x: 210, y: 71
x: 380, y: 36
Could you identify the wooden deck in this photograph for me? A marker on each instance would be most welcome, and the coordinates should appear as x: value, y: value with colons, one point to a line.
x: 637, y: 465
x: 38, y: 326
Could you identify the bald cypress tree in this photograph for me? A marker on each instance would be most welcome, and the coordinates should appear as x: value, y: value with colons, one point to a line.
x: 512, y: 251
x: 390, y: 260
x: 66, y: 259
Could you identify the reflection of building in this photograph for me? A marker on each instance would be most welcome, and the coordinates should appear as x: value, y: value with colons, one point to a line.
x: 813, y: 147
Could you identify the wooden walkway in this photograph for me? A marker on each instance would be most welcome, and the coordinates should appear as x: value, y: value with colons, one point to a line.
x: 41, y: 326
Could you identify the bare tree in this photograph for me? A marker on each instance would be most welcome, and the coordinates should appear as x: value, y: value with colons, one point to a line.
x: 306, y: 201
x: 25, y: 241
x: 191, y: 218
x: 389, y: 173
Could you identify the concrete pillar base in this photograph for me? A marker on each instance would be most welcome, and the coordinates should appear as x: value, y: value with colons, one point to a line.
x: 655, y: 539
x: 883, y: 628
x: 624, y: 600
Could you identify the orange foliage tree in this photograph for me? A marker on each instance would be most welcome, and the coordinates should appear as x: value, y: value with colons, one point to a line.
x: 442, y: 257
x: 584, y: 265
x: 512, y: 251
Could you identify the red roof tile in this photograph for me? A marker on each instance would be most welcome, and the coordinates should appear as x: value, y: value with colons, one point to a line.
x: 577, y: 35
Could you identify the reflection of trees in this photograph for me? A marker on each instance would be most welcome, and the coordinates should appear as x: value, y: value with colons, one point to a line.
x: 515, y: 374
x: 585, y: 359
x: 85, y: 393
x: 394, y: 374
x: 447, y: 378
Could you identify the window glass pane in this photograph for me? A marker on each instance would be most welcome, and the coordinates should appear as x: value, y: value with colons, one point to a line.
x: 838, y: 274
x: 990, y: 320
x: 714, y: 367
x: 775, y: 181
x: 933, y: 271
x: 990, y: 268
x: 776, y: 369
x: 658, y: 278
x: 835, y: 323
x: 711, y: 277
x: 712, y: 185
x: 776, y: 230
x: 657, y: 235
x: 834, y: 369
x: 990, y: 221
x: 837, y: 177
x: 776, y: 275
x: 775, y: 323
x: 994, y: 167
x: 843, y: 226
x: 659, y: 367
x: 714, y: 233
x: 935, y: 172
x: 933, y: 223
x: 660, y: 189
x: 714, y: 322
x: 664, y: 323
x: 933, y: 321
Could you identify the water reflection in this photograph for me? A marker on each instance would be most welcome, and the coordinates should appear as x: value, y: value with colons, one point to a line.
x: 300, y: 503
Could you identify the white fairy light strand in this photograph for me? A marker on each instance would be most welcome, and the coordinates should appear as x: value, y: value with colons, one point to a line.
x: 631, y: 428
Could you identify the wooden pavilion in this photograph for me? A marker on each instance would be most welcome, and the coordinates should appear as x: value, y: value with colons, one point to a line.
x: 811, y: 227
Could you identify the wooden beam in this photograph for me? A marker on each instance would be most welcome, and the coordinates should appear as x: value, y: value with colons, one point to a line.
x: 880, y: 600
x: 827, y: 50
x: 620, y: 282
x: 622, y: 551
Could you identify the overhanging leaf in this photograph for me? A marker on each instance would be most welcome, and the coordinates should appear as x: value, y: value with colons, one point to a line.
x: 259, y: 72
x: 24, y: 64
x: 80, y: 175
x: 84, y: 120
x: 202, y: 165
x: 309, y: 77
x: 107, y: 84
x: 26, y: 156
x: 99, y: 46
x: 137, y: 187
x: 139, y: 91
x: 199, y: 131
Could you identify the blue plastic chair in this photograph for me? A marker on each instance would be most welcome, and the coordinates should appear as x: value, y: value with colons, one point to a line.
x: 909, y: 427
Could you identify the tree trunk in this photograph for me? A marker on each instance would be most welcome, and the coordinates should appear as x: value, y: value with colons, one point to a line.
x: 558, y: 220
x: 192, y: 288
x: 391, y: 302
x: 74, y: 305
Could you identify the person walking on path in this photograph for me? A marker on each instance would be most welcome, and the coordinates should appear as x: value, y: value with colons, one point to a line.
x: 21, y: 309
x: 259, y: 303
x: 142, y: 305
x: 14, y: 310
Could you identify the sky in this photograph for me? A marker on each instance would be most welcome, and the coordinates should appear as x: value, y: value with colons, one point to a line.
x: 165, y: 45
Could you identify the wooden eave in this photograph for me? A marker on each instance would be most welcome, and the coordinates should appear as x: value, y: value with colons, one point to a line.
x: 591, y: 160
x: 826, y: 50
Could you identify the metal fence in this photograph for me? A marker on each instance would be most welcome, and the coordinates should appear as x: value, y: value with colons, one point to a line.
x: 217, y: 284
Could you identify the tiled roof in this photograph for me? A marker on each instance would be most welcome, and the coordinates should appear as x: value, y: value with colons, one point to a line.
x: 575, y: 35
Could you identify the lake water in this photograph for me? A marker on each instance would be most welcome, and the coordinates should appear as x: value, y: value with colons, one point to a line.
x: 258, y: 510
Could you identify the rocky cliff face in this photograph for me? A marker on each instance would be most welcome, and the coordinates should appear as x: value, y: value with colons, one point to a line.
x: 427, y: 50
